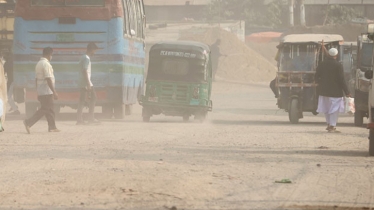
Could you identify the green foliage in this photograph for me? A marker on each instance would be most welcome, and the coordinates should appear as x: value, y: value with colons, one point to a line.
x: 338, y: 14
x: 254, y: 12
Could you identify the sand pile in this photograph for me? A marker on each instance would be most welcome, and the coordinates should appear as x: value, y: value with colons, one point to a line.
x: 241, y: 64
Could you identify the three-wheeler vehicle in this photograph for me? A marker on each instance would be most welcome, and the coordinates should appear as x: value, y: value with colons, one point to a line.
x: 179, y: 81
x: 349, y: 62
x: 298, y: 57
x: 362, y: 84
x: 369, y: 75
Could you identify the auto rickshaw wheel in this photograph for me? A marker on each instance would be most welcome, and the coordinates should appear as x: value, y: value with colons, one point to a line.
x: 201, y: 116
x: 371, y: 142
x: 359, y: 118
x: 293, y: 112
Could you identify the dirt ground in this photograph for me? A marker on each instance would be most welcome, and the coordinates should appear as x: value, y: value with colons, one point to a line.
x: 230, y: 162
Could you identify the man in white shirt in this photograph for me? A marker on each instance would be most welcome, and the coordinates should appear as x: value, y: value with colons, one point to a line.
x: 45, y: 86
x: 87, y: 91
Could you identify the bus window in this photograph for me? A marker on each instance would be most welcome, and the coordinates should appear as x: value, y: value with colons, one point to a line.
x: 139, y: 19
x: 143, y: 17
x: 132, y: 16
x: 126, y: 26
x: 71, y: 3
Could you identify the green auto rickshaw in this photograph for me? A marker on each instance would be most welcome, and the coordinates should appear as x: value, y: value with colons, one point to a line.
x: 179, y: 81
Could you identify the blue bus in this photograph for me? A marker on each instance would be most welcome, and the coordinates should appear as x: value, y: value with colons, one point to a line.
x: 116, y: 26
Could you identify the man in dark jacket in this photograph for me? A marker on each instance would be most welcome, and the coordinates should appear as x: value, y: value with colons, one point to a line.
x: 331, y: 89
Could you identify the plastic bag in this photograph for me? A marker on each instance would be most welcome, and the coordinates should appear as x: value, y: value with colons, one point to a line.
x: 349, y: 107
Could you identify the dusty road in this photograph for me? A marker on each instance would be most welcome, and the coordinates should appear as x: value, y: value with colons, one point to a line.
x: 229, y: 162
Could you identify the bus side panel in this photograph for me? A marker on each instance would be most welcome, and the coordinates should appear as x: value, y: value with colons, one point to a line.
x: 130, y: 76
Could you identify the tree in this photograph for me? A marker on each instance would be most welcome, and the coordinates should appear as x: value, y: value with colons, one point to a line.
x: 254, y: 12
x: 339, y: 14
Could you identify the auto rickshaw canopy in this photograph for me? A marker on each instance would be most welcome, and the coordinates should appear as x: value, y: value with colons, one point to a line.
x: 311, y: 38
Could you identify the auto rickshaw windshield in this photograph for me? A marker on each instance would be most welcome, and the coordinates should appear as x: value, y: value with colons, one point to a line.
x: 174, y: 68
x: 298, y: 58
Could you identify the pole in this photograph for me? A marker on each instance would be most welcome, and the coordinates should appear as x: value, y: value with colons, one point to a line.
x: 302, y: 13
x: 219, y: 20
x: 290, y: 6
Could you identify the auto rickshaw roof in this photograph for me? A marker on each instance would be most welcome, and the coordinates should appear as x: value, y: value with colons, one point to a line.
x: 181, y: 45
x: 311, y: 38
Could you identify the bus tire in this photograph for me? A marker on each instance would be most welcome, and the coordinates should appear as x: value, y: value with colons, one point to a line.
x: 146, y: 118
x: 371, y: 142
x: 359, y: 118
x: 201, y: 117
x: 186, y: 118
x: 119, y: 111
x: 293, y: 112
x: 30, y: 109
x: 128, y: 109
x: 107, y: 111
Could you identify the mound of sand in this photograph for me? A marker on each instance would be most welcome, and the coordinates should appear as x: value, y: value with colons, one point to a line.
x: 241, y: 63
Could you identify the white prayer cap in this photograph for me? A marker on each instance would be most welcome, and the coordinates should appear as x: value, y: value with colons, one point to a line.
x: 333, y: 52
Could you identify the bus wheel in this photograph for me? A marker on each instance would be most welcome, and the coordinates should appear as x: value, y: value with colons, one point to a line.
x: 119, y: 111
x: 293, y: 113
x: 107, y: 111
x: 146, y: 118
x: 30, y: 109
x: 186, y: 118
x: 371, y: 142
x: 128, y: 109
x: 359, y: 118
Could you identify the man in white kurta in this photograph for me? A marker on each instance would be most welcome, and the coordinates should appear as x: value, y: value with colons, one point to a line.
x: 331, y: 89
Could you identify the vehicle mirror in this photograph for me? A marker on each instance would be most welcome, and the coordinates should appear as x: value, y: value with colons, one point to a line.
x: 132, y: 32
x: 369, y: 74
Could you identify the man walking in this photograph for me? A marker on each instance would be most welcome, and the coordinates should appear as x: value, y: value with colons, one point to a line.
x: 331, y: 89
x: 8, y: 68
x: 45, y: 86
x: 87, y: 92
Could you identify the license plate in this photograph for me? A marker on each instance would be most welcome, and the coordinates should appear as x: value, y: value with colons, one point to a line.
x: 65, y: 38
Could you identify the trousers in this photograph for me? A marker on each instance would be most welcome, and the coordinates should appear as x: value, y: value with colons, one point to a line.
x: 90, y: 98
x: 46, y: 109
x: 332, y: 119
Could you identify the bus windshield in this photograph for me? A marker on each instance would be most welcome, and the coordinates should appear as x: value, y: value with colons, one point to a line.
x: 70, y: 3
